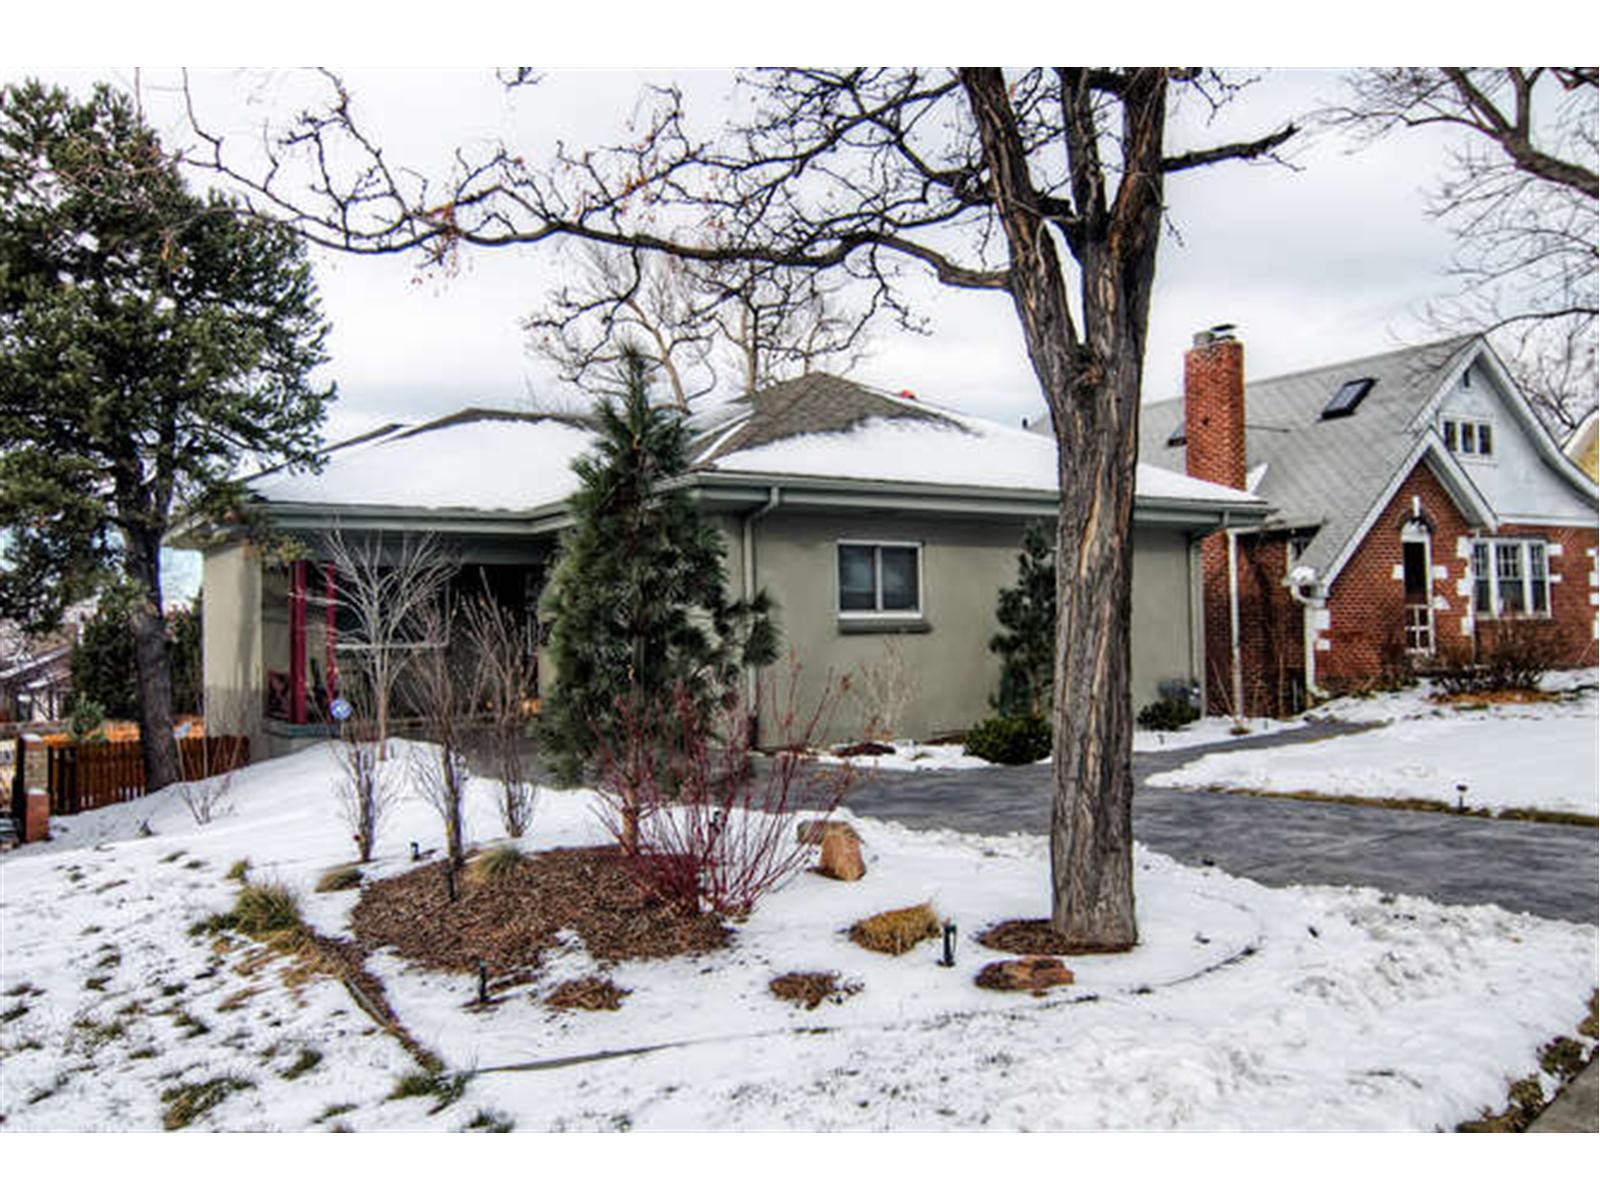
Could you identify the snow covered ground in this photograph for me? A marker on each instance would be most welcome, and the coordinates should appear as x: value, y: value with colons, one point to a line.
x: 1532, y: 756
x: 917, y: 756
x: 1243, y: 1007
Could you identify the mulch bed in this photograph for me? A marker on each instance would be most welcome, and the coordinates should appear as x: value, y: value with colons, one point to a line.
x: 811, y: 988
x: 1504, y: 696
x: 863, y: 750
x: 511, y: 920
x: 592, y: 992
x: 1034, y: 936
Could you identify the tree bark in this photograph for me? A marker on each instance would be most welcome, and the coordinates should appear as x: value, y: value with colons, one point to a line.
x: 1092, y: 385
x: 142, y: 556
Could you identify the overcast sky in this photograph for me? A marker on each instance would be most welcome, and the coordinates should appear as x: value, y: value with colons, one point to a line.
x: 1331, y: 260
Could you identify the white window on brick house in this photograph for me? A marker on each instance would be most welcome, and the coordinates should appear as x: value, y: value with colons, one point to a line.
x: 880, y: 578
x: 1510, y: 578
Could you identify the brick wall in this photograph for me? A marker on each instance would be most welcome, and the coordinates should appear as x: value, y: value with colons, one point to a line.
x: 1365, y: 633
x: 1271, y: 645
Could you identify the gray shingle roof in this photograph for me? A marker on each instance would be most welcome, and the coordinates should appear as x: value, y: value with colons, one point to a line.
x: 815, y: 403
x: 1323, y: 474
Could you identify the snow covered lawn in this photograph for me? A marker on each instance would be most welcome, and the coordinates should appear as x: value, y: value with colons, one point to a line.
x: 1244, y: 1007
x: 1510, y: 756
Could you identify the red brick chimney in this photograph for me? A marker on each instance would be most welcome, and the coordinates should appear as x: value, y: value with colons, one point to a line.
x: 1213, y: 408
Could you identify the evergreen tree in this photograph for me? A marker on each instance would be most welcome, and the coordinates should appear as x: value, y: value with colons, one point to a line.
x: 1027, y: 615
x: 103, y: 668
x: 152, y: 343
x: 638, y: 599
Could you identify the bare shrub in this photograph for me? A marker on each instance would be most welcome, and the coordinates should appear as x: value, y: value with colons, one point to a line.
x: 698, y: 824
x: 366, y: 791
x: 1511, y: 655
x: 883, y: 688
x: 382, y: 592
x: 206, y: 764
x: 439, y: 687
x: 503, y: 683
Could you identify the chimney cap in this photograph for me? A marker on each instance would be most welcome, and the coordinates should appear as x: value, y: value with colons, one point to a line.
x: 1217, y: 333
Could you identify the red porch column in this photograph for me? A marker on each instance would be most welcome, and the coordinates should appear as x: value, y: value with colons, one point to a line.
x: 297, y: 643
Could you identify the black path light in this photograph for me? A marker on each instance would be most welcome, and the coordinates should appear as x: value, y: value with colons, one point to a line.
x: 949, y: 958
x: 483, y: 983
x: 1461, y: 796
x: 416, y: 852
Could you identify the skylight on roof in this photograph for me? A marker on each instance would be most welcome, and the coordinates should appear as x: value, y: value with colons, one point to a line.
x: 1345, y: 400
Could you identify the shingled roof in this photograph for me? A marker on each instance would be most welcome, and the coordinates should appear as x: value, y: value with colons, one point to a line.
x: 1319, y: 474
x: 815, y: 403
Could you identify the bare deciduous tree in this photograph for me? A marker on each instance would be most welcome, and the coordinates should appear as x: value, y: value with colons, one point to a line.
x: 383, y: 589
x: 765, y: 323
x: 1044, y: 186
x: 1520, y: 195
x: 367, y: 788
x: 504, y: 678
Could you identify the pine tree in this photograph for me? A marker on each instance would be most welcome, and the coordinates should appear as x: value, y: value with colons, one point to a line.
x: 1027, y: 614
x: 152, y: 343
x: 638, y: 600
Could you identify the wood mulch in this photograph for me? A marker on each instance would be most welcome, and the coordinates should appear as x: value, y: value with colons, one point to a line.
x: 811, y: 988
x: 1503, y: 696
x: 592, y: 992
x: 510, y: 921
x: 1035, y: 936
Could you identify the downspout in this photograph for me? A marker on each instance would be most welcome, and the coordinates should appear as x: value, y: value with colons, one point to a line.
x: 1236, y: 660
x: 748, y: 563
x: 1299, y: 579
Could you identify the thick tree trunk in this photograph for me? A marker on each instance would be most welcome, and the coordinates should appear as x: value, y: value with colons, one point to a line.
x: 142, y: 555
x: 1091, y: 384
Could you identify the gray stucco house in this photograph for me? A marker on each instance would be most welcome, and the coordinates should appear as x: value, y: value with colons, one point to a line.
x: 865, y: 515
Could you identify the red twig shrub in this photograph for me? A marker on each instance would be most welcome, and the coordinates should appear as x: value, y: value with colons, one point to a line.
x: 699, y: 822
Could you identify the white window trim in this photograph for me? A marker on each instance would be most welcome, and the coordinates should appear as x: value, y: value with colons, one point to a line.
x: 1497, y: 610
x: 879, y: 613
x: 1456, y: 445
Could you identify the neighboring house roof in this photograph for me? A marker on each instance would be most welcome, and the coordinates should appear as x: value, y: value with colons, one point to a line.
x: 41, y: 670
x: 815, y: 428
x: 1329, y: 477
x: 1583, y: 445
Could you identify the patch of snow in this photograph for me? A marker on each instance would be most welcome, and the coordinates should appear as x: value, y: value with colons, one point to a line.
x: 1242, y: 1007
x: 911, y: 756
x: 962, y: 450
x: 1548, y: 764
x: 485, y: 465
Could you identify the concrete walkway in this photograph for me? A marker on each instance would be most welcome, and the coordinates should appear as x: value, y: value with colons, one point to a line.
x: 1576, y: 1109
x: 1545, y: 869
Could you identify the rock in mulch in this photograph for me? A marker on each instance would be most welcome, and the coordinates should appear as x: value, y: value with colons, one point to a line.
x: 1036, y: 936
x: 593, y: 993
x: 811, y: 988
x: 510, y: 921
x: 896, y: 931
x: 1037, y: 973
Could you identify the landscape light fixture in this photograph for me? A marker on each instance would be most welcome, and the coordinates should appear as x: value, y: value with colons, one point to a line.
x: 416, y: 852
x: 483, y: 983
x: 1461, y: 796
x: 949, y: 958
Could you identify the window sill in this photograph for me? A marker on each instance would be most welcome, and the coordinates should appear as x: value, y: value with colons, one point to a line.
x: 848, y: 626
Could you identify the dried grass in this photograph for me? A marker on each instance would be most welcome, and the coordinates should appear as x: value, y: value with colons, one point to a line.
x: 896, y: 931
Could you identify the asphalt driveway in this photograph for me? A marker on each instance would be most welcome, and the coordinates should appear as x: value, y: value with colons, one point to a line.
x: 1546, y: 869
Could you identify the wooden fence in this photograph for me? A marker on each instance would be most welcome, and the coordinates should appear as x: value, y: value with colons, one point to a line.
x: 93, y: 774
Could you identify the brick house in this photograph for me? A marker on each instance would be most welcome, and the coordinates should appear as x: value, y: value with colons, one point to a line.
x: 1416, y: 497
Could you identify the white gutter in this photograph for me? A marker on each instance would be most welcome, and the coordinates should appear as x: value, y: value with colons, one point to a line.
x: 1233, y: 622
x: 1300, y: 578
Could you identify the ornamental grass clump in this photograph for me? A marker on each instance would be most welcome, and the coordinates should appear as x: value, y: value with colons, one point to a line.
x: 896, y: 931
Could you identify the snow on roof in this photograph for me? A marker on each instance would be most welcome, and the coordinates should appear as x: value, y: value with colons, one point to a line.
x: 485, y: 462
x: 488, y: 460
x: 960, y: 450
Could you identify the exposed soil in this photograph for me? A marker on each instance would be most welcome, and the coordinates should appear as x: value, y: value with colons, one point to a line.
x: 1025, y: 937
x: 811, y: 988
x: 1503, y: 696
x: 512, y: 919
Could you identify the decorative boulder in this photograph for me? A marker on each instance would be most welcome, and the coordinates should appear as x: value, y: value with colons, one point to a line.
x: 1036, y: 973
x: 841, y: 854
x: 811, y: 833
